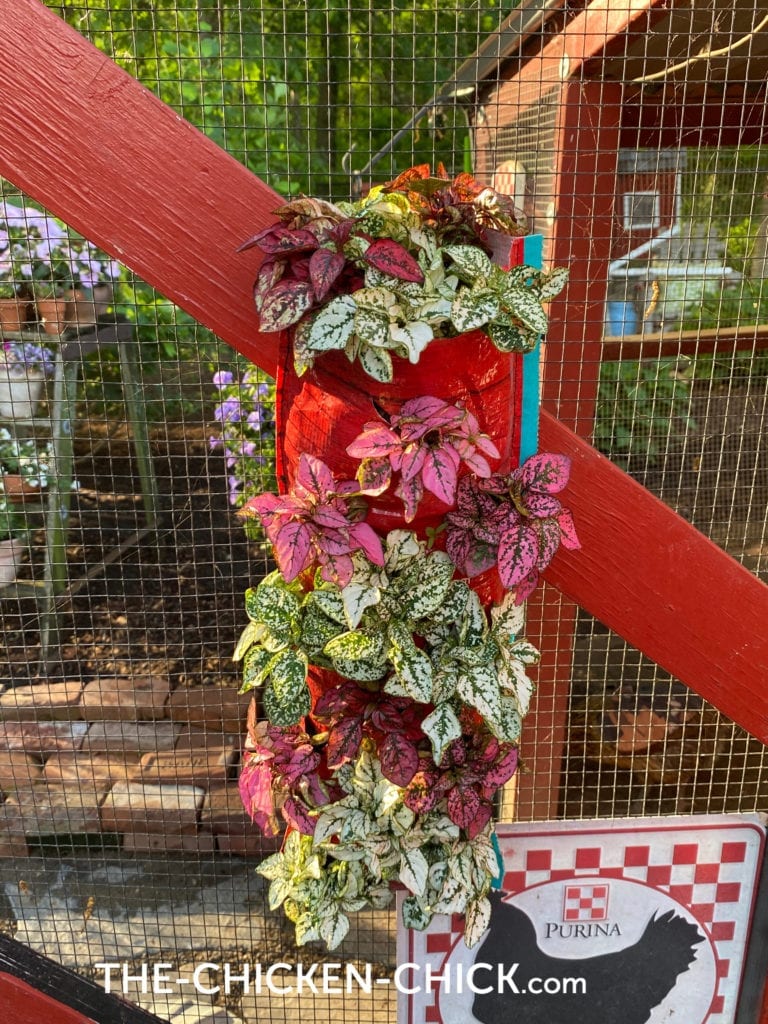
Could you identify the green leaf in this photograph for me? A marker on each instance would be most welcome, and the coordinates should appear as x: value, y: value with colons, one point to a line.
x: 256, y: 667
x: 356, y: 646
x: 471, y: 262
x: 413, y: 871
x: 377, y: 363
x: 251, y: 635
x: 441, y: 727
x: 333, y: 326
x: 479, y: 687
x: 286, y: 697
x: 526, y: 308
x: 477, y: 920
x: 472, y: 309
x: 414, y: 670
x: 276, y: 607
x: 414, y: 915
x: 428, y: 591
x: 333, y: 928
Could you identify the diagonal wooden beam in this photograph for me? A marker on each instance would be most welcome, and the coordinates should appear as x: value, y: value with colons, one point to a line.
x: 668, y: 590
x: 85, y: 139
x: 90, y: 143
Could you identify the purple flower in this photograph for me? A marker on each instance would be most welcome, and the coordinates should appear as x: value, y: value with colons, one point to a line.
x: 223, y: 377
x: 228, y: 411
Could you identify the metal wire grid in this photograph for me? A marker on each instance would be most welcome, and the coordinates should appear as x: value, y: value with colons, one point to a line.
x: 700, y: 445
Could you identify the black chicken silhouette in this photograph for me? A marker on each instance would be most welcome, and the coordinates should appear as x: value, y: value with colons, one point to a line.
x: 621, y: 987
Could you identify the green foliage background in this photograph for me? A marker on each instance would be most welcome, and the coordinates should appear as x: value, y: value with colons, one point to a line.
x: 290, y: 88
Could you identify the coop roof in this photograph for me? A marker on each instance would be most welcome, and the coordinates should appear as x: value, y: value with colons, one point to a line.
x: 657, y: 43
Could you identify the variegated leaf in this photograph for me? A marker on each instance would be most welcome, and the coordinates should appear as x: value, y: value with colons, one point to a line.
x: 474, y: 308
x: 471, y: 262
x: 477, y: 920
x: 333, y: 326
x: 518, y: 552
x: 333, y: 928
x: 508, y: 618
x: 355, y: 645
x: 372, y: 327
x: 441, y: 727
x: 479, y: 687
x: 431, y: 586
x: 413, y: 871
x: 551, y: 283
x: 251, y: 634
x: 285, y: 304
x: 356, y: 597
x: 526, y: 308
x: 377, y: 363
x: 330, y: 603
x: 507, y: 725
x: 286, y: 697
x: 275, y: 607
x: 414, y: 915
x: 508, y: 338
x: 256, y: 668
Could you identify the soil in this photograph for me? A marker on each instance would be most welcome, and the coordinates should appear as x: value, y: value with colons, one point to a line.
x: 169, y: 602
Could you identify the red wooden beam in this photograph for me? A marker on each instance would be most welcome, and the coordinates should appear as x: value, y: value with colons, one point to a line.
x: 96, y: 148
x: 669, y: 591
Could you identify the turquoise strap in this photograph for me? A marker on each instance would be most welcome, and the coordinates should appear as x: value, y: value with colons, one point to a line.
x: 499, y: 878
x: 533, y: 252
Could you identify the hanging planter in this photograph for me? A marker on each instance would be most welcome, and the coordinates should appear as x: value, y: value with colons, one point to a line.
x: 393, y: 693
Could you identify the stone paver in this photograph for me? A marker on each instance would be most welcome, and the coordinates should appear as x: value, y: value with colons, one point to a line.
x: 51, y: 810
x: 42, y: 737
x: 137, y: 807
x: 42, y: 701
x: 125, y: 699
x: 199, y: 766
x: 129, y: 737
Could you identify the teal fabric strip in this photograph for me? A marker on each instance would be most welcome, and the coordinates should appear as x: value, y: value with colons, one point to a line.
x: 533, y: 253
x: 498, y: 879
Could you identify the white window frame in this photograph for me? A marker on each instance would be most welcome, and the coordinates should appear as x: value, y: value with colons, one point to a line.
x: 629, y: 198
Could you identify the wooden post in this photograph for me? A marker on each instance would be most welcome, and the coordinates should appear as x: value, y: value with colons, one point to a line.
x: 586, y: 142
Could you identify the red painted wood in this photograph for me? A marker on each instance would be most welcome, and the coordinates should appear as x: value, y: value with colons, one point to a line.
x: 23, y: 1004
x: 103, y: 153
x: 584, y: 188
x: 675, y: 118
x: 653, y: 578
x: 183, y: 207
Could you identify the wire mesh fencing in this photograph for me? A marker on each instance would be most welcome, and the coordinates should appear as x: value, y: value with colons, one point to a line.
x: 122, y: 615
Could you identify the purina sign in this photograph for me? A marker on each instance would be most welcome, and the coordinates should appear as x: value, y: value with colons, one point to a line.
x: 640, y: 921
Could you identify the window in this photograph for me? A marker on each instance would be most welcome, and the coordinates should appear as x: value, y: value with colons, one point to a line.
x: 641, y: 210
